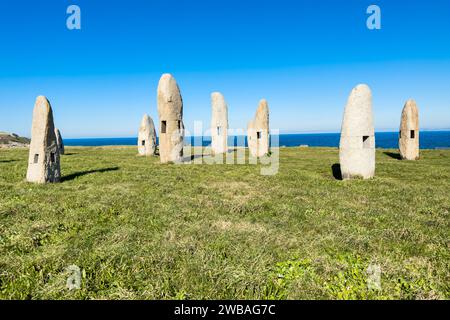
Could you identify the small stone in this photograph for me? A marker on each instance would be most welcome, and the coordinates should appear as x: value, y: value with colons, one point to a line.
x: 408, y: 140
x: 219, y: 124
x: 147, y: 137
x: 258, y: 131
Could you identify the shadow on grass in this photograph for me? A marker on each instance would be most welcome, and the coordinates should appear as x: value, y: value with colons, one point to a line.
x: 75, y: 175
x: 336, y: 169
x: 69, y: 154
x: 8, y: 161
x: 393, y: 155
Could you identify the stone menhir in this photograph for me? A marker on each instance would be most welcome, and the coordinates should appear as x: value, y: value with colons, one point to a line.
x: 43, y: 162
x: 147, y: 137
x: 171, y: 128
x: 408, y: 140
x: 258, y: 131
x: 357, y: 144
x: 59, y: 141
x: 219, y: 124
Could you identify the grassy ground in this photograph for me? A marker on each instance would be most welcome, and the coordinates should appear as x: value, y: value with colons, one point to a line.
x: 141, y: 230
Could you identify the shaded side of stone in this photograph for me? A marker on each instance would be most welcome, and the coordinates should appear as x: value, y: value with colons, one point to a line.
x: 59, y: 141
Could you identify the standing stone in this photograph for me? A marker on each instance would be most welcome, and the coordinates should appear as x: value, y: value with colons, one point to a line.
x: 147, y: 137
x: 59, y: 141
x: 43, y: 162
x: 357, y: 145
x: 408, y: 140
x: 258, y: 131
x: 171, y: 127
x: 219, y: 124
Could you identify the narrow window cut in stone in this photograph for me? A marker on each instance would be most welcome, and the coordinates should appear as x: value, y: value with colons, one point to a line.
x: 357, y: 144
x: 366, y: 142
x: 143, y: 143
x: 258, y: 135
x: 219, y: 121
x: 43, y: 145
x: 163, y: 126
x: 409, y: 143
x: 179, y: 125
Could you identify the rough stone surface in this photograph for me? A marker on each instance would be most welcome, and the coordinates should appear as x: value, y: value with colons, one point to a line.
x: 408, y: 141
x: 258, y: 131
x: 43, y: 163
x: 171, y: 127
x: 59, y: 141
x: 357, y: 144
x: 219, y: 124
x: 147, y: 137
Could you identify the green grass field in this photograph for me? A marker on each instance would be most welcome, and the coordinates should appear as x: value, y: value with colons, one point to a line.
x: 141, y: 230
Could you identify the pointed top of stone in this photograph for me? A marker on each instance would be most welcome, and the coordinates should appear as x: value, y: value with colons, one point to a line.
x: 262, y: 114
x: 410, y: 106
x: 170, y: 103
x: 358, y: 117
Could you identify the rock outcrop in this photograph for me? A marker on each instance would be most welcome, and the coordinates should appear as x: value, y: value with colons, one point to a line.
x: 258, y: 131
x: 408, y: 141
x: 59, y: 141
x: 219, y: 124
x: 357, y: 144
x: 43, y: 162
x: 171, y: 127
x: 147, y: 137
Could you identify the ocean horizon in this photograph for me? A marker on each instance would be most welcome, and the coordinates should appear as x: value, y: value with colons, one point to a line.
x: 385, y: 140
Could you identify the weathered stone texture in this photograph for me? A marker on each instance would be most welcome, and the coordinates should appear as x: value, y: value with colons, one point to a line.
x: 59, y: 141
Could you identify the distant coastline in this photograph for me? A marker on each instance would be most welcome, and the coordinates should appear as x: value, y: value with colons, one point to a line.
x: 388, y: 140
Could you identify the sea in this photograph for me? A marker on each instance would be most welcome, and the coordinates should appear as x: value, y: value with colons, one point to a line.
x: 388, y: 140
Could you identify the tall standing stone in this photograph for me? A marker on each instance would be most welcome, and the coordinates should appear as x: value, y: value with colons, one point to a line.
x: 147, y: 137
x: 408, y: 140
x: 171, y: 127
x: 219, y: 124
x: 357, y: 145
x: 59, y: 141
x: 258, y: 131
x: 43, y: 162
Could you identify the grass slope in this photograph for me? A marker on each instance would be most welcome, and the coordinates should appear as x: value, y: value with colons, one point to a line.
x: 141, y: 230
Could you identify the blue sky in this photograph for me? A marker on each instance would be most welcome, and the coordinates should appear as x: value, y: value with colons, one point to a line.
x: 304, y: 57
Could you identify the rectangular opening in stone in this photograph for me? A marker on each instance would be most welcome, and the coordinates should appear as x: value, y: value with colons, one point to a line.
x: 52, y: 157
x: 179, y: 124
x: 258, y: 135
x: 219, y: 131
x: 366, y: 142
x: 163, y: 126
x: 400, y: 134
x: 36, y: 158
x: 143, y: 143
x: 413, y: 134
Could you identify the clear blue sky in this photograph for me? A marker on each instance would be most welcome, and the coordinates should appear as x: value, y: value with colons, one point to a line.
x: 304, y: 57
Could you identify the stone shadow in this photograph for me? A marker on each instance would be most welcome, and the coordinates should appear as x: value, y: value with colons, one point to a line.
x: 393, y: 155
x: 75, y: 175
x: 8, y: 161
x: 336, y: 169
